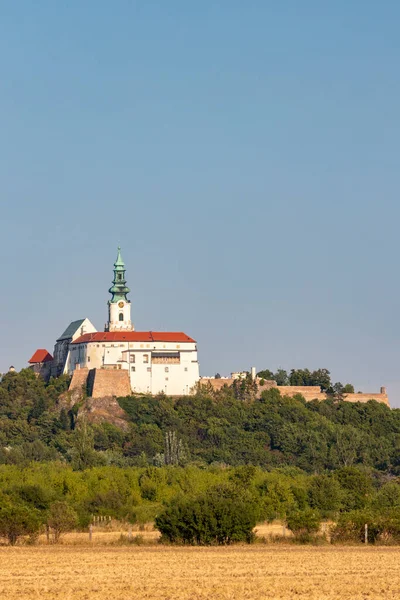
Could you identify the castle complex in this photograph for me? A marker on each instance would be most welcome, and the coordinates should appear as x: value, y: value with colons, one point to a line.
x: 148, y: 361
x: 119, y: 360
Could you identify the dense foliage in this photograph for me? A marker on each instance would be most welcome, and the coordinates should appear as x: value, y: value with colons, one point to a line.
x: 223, y: 515
x: 229, y: 427
x: 219, y: 459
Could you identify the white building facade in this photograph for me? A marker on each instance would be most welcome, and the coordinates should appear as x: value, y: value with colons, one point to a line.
x: 156, y: 361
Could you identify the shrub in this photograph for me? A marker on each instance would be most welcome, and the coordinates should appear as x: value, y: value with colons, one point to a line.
x: 381, y: 527
x: 304, y: 523
x: 222, y: 516
x: 62, y: 518
x: 17, y: 521
x: 325, y: 494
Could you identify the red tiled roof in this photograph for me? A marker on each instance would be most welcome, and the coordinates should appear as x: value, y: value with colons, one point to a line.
x: 41, y: 355
x: 134, y: 336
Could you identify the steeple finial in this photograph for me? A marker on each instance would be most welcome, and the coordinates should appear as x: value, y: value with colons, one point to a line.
x: 119, y: 288
x: 119, y: 262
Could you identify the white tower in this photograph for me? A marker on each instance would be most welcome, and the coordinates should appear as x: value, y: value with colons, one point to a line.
x: 119, y: 307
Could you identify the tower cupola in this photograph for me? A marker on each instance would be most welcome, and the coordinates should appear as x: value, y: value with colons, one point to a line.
x: 119, y: 307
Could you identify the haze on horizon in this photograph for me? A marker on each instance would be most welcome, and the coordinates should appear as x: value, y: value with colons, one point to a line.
x: 246, y: 159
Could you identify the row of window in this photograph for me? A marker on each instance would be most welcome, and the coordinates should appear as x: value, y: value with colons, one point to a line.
x: 149, y: 369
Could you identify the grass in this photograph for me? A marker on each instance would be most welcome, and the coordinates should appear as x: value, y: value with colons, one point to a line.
x: 240, y: 572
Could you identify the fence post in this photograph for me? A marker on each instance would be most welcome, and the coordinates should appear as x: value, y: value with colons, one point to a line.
x: 48, y: 534
x: 283, y: 530
x: 130, y: 532
x: 366, y: 533
x: 90, y: 532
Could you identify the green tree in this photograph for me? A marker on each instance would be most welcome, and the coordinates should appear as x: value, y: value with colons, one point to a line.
x: 348, y: 388
x: 281, y: 377
x: 17, y: 521
x: 83, y: 454
x: 221, y: 516
x: 62, y: 518
x: 304, y: 522
x: 266, y: 374
x: 325, y: 495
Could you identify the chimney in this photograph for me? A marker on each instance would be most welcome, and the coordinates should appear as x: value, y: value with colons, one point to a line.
x: 383, y: 390
x: 253, y: 373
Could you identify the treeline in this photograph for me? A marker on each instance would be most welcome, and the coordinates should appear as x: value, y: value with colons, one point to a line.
x: 227, y: 427
x: 215, y: 504
x: 305, y: 377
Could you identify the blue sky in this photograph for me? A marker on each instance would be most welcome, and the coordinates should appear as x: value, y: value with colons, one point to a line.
x: 244, y: 155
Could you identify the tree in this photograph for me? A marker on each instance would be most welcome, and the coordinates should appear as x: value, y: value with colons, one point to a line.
x: 245, y: 389
x: 281, y: 377
x: 348, y: 388
x: 221, y: 516
x: 321, y: 377
x: 304, y: 522
x: 175, y: 452
x: 217, y: 376
x: 83, y: 454
x: 62, y: 518
x: 325, y: 494
x: 266, y: 374
x: 18, y: 520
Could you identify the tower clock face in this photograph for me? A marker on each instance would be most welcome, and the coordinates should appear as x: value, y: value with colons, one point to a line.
x: 121, y: 304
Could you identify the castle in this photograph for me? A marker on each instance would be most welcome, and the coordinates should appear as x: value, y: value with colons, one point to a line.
x: 120, y: 360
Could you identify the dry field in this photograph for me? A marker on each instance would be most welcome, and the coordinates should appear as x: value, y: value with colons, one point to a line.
x: 68, y: 572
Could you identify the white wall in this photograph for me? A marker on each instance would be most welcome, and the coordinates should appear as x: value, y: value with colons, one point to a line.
x: 145, y: 376
x: 114, y: 310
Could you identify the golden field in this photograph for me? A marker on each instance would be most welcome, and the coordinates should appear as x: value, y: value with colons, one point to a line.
x: 77, y: 572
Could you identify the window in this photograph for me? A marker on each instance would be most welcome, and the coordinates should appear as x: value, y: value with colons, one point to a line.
x: 119, y: 276
x: 166, y: 379
x: 185, y: 368
x: 88, y: 358
x: 133, y: 368
x: 167, y: 369
x: 149, y: 369
x: 145, y: 358
x: 121, y: 316
x: 132, y: 358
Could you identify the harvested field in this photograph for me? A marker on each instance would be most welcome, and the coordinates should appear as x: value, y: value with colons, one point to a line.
x: 240, y: 572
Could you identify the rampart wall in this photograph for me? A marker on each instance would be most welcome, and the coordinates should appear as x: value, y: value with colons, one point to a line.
x: 79, y: 378
x: 110, y: 383
x: 312, y: 392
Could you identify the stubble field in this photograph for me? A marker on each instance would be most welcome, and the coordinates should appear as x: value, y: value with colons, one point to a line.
x: 240, y: 572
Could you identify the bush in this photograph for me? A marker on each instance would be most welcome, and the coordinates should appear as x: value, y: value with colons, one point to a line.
x: 381, y: 527
x: 17, y: 521
x: 325, y: 494
x: 304, y: 523
x: 222, y: 516
x: 62, y: 518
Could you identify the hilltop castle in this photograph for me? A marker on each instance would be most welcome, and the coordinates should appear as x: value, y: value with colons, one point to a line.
x: 120, y: 360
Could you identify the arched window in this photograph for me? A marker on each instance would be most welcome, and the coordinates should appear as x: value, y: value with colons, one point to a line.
x: 121, y: 316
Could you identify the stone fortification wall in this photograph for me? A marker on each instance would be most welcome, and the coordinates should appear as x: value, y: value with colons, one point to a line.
x: 383, y: 397
x: 101, y: 383
x: 79, y: 378
x: 312, y: 392
x: 110, y: 383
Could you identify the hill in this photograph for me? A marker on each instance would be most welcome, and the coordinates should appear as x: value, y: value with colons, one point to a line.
x: 39, y: 422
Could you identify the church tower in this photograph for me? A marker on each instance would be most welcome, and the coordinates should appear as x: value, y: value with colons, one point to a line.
x: 119, y: 307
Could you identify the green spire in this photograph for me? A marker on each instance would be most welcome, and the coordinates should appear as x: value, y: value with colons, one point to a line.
x: 119, y: 288
x: 119, y: 262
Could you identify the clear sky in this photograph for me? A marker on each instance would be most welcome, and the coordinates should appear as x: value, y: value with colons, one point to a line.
x: 244, y: 154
